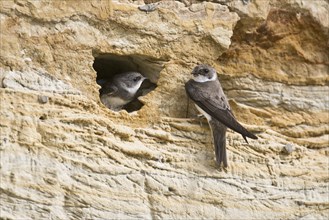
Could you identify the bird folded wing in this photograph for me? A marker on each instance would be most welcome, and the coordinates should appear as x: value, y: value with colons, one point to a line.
x: 109, y: 89
x: 217, y: 109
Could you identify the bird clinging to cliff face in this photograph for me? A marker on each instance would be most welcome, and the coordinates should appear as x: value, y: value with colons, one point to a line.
x: 206, y: 92
x: 121, y: 90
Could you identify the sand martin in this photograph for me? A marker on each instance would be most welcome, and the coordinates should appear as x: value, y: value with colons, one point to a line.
x: 121, y: 90
x: 206, y: 92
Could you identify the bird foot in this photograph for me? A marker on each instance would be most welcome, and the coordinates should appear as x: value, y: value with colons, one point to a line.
x: 200, y: 118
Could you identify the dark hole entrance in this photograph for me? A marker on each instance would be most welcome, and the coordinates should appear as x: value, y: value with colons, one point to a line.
x: 109, y: 67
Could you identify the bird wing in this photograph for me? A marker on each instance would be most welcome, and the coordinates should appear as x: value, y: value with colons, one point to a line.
x: 109, y: 89
x: 216, y: 106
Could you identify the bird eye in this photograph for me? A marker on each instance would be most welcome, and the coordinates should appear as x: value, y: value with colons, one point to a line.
x: 206, y: 70
x: 137, y: 78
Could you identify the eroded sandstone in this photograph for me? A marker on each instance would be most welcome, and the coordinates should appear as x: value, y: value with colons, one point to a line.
x: 70, y: 157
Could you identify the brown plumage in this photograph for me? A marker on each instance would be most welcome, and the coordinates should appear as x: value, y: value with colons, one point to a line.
x: 206, y: 92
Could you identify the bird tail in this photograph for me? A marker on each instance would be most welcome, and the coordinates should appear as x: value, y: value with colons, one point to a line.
x: 219, y: 137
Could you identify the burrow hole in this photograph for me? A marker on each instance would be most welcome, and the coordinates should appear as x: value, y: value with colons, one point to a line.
x: 109, y: 65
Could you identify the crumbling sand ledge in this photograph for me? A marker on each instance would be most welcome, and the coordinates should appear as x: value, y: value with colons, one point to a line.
x: 67, y: 156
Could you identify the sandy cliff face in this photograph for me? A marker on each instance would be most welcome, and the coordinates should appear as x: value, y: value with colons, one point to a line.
x: 64, y: 155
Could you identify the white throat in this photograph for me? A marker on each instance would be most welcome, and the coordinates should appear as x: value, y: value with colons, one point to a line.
x: 134, y: 89
x: 201, y: 79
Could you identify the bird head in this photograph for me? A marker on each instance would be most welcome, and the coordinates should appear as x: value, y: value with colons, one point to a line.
x: 204, y: 73
x: 131, y: 81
